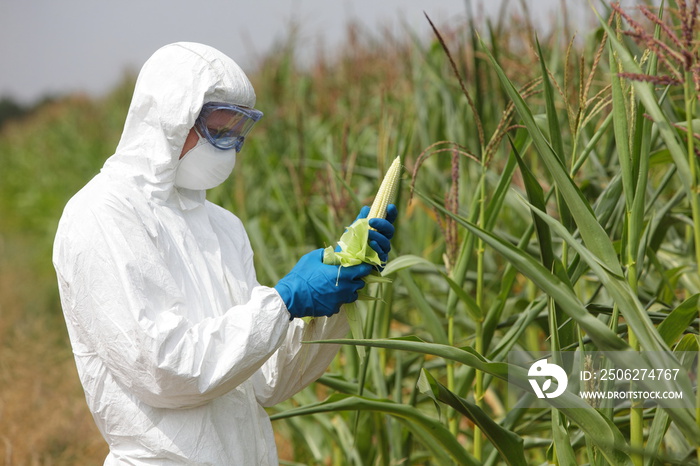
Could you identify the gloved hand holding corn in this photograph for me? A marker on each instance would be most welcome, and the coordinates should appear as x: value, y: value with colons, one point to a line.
x: 367, y: 239
x: 324, y: 280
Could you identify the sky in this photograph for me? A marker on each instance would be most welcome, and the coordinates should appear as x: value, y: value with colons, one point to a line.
x: 52, y: 47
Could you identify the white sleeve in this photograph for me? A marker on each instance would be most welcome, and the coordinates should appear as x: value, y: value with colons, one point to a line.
x: 122, y: 302
x: 295, y: 364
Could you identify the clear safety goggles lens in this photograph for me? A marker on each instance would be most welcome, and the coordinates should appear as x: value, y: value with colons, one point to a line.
x: 225, y: 125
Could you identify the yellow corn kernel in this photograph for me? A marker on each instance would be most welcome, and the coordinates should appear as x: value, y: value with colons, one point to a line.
x: 387, y: 190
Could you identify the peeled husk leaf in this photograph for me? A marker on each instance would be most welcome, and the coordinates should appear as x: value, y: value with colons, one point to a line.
x: 354, y: 250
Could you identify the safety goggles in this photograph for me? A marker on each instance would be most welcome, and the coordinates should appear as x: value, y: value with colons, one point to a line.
x: 225, y: 125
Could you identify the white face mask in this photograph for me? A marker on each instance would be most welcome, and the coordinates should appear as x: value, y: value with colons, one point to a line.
x: 204, y: 166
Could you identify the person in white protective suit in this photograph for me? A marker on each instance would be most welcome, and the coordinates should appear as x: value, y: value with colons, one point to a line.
x: 177, y: 345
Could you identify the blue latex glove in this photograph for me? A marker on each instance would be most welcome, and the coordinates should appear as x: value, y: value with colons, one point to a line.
x: 314, y: 289
x: 379, y: 239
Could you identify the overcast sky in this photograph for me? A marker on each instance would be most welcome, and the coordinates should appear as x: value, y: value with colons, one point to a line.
x: 55, y: 47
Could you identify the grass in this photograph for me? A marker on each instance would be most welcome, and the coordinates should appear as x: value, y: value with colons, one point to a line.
x: 548, y: 203
x: 43, y: 415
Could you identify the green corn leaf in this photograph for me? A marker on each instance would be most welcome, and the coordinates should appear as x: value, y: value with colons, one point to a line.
x: 555, y: 134
x: 472, y: 307
x: 630, y: 307
x: 679, y: 319
x: 434, y: 434
x: 404, y: 262
x: 562, y: 441
x: 495, y: 206
x: 647, y: 95
x: 552, y: 120
x: 562, y: 444
x: 593, y: 234
x: 601, y: 430
x: 342, y: 385
x: 649, y: 338
x: 622, y: 137
x: 536, y: 196
x: 433, y: 323
x: 550, y: 284
x: 355, y: 322
x: 506, y: 442
x: 686, y: 349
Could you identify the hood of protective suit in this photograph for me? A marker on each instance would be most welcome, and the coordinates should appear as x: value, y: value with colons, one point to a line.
x: 170, y: 91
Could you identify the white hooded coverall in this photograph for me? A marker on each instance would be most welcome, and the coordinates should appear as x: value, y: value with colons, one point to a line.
x: 177, y: 345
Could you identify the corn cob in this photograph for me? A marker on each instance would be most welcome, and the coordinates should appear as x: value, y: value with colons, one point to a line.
x: 353, y: 246
x: 387, y: 190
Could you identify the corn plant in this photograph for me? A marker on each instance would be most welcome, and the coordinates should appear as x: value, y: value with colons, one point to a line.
x: 593, y: 254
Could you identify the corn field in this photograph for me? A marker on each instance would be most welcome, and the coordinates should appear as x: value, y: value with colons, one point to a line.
x: 549, y: 207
